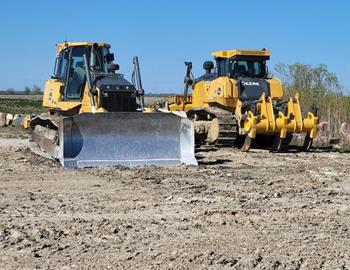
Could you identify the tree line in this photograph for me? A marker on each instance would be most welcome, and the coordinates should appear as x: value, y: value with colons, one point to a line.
x: 318, y: 87
x: 35, y: 90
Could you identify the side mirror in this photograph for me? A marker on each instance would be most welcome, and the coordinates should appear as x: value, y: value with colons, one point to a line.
x: 109, y: 57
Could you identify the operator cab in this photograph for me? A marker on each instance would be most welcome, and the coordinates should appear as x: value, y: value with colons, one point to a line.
x: 117, y: 94
x: 248, y: 68
x: 69, y: 66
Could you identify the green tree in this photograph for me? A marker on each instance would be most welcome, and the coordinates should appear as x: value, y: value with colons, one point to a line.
x: 27, y: 90
x: 317, y: 86
x: 10, y: 91
x: 36, y: 90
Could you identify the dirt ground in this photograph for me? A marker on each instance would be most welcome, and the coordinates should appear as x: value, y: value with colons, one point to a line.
x: 256, y: 210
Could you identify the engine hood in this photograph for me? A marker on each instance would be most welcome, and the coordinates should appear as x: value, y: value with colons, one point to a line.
x: 113, y: 82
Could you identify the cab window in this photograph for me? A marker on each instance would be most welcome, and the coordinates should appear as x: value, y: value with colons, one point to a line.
x: 221, y: 66
x: 101, y: 64
x: 61, y: 66
x: 246, y: 69
x: 75, y: 81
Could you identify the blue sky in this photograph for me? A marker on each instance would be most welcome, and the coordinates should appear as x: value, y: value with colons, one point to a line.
x: 164, y: 34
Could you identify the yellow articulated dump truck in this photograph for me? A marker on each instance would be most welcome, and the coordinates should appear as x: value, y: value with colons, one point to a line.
x: 96, y: 118
x: 240, y: 105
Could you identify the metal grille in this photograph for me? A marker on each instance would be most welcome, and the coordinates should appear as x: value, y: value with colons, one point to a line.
x: 118, y: 101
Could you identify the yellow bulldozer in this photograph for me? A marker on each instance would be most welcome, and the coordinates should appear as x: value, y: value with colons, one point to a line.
x: 96, y: 118
x: 240, y: 105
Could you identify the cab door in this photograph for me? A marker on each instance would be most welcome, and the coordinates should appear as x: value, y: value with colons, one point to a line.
x: 75, y: 75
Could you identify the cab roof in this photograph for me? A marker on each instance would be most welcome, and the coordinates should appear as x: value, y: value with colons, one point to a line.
x: 236, y: 52
x: 61, y: 46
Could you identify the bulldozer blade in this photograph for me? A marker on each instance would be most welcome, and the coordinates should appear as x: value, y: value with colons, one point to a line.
x: 126, y: 139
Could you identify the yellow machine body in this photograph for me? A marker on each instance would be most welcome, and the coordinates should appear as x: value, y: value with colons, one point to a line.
x: 52, y: 99
x: 255, y: 116
x: 96, y: 118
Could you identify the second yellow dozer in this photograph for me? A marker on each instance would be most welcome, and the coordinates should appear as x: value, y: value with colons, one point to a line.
x: 240, y: 105
x: 96, y: 118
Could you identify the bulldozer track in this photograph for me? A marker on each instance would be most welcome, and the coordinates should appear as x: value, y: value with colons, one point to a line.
x: 228, y: 130
x: 228, y: 127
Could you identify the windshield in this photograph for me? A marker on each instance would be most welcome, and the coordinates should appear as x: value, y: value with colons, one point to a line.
x: 246, y: 69
x: 62, y: 62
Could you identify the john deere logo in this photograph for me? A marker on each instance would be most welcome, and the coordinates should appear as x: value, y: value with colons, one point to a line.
x: 250, y: 83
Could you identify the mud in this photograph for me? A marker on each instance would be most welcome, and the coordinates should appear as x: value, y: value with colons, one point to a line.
x: 256, y: 210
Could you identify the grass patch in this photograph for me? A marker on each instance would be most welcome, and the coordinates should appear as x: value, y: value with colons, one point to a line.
x: 344, y: 150
x: 21, y: 106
